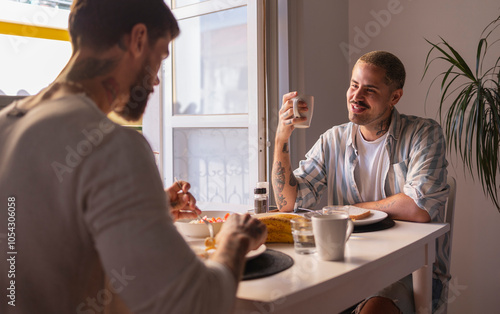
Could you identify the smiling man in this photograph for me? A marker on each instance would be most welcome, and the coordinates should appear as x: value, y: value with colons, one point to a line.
x: 81, y: 198
x: 380, y: 160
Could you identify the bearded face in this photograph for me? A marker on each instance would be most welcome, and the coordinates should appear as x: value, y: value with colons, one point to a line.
x: 139, y: 94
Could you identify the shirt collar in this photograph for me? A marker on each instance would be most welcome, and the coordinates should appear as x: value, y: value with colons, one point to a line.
x: 395, y: 124
x: 351, y: 140
x: 393, y: 129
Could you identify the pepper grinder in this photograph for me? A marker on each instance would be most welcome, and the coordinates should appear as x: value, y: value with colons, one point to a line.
x: 261, y: 201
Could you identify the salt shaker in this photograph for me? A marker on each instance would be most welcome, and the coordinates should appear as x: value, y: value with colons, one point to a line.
x: 261, y: 201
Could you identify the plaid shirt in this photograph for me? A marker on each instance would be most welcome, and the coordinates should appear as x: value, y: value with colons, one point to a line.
x: 417, y: 167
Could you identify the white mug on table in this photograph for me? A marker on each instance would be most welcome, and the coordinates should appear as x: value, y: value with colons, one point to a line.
x: 331, y: 233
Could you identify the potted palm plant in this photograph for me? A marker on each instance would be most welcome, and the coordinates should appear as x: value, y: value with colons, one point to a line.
x: 469, y: 106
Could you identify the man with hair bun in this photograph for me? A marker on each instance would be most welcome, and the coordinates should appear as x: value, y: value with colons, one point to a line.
x: 380, y: 160
x: 93, y: 223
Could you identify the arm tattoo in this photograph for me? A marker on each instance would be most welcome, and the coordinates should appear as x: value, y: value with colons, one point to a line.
x: 279, y: 177
x: 285, y: 148
x: 279, y: 183
x: 293, y: 180
x: 281, y: 201
x: 91, y: 68
x: 386, y: 206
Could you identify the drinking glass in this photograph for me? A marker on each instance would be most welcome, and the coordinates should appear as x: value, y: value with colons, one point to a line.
x: 303, y: 237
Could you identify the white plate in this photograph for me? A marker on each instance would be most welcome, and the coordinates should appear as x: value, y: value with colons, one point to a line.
x: 254, y: 253
x: 375, y: 216
x: 198, y: 246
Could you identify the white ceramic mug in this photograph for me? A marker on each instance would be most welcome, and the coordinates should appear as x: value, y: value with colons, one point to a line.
x: 331, y: 233
x: 309, y: 100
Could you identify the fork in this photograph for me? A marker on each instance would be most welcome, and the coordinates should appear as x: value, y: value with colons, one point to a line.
x: 209, y: 225
x: 316, y: 211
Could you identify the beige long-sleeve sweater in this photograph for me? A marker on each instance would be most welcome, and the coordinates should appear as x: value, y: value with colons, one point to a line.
x: 89, y: 202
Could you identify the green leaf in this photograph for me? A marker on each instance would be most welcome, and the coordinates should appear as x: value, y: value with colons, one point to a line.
x: 471, y: 102
x: 480, y: 56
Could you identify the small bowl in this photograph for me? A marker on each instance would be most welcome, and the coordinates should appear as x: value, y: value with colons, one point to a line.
x: 200, y: 230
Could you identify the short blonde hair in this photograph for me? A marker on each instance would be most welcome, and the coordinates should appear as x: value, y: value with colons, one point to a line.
x: 395, y: 73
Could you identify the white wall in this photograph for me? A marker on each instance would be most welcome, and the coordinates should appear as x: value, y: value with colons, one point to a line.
x: 318, y: 68
x: 475, y: 287
x: 475, y: 253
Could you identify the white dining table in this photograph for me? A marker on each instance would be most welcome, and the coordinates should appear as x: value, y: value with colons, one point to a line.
x: 373, y: 260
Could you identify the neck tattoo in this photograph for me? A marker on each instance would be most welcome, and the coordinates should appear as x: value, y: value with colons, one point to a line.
x: 111, y: 87
x: 384, y: 126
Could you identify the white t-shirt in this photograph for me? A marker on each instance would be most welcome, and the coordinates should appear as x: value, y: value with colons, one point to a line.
x: 369, y: 173
x: 90, y: 202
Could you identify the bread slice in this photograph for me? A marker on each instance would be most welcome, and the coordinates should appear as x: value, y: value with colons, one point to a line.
x: 357, y: 213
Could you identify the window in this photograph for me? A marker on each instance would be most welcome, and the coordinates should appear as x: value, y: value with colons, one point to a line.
x: 35, y: 47
x: 207, y: 120
x: 212, y: 112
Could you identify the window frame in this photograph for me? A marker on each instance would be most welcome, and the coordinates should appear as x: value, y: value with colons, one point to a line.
x: 21, y: 21
x: 28, y: 20
x: 159, y: 121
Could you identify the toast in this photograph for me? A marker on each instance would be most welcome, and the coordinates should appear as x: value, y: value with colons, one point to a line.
x: 357, y: 213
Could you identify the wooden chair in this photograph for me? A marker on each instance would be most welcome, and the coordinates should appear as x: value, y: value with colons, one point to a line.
x: 450, y: 205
